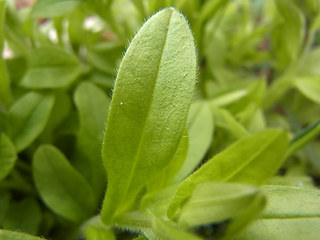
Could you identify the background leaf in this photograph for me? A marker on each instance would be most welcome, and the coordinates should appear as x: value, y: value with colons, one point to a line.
x: 252, y: 160
x: 53, y: 8
x: 27, y: 118
x: 92, y: 103
x: 291, y: 213
x: 200, y: 130
x: 61, y: 187
x: 7, y: 156
x: 50, y: 67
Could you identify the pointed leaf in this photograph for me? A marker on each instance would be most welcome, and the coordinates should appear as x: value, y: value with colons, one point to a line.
x: 149, y: 108
x: 252, y: 160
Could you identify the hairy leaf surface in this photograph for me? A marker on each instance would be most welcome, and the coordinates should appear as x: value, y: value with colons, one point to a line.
x: 149, y: 108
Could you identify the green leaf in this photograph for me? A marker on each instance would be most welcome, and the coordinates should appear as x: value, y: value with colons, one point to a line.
x: 23, y: 216
x: 309, y: 87
x: 200, y: 130
x: 168, y: 230
x: 291, y: 213
x: 50, y: 67
x: 61, y: 187
x: 5, y: 91
x: 28, y: 117
x: 167, y: 174
x: 92, y: 103
x: 96, y: 233
x: 5, y: 198
x: 213, y: 202
x: 252, y: 160
x: 105, y: 56
x: 10, y: 235
x: 8, y: 156
x: 53, y: 8
x: 149, y: 108
x: 225, y: 120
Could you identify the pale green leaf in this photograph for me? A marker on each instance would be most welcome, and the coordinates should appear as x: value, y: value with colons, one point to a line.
x: 168, y: 230
x: 28, y: 117
x: 50, y: 67
x: 309, y: 87
x: 61, y: 187
x: 96, y: 233
x: 213, y: 202
x: 291, y: 213
x: 149, y: 108
x: 200, y: 129
x: 252, y: 160
x: 8, y: 156
x: 53, y: 8
x: 11, y: 235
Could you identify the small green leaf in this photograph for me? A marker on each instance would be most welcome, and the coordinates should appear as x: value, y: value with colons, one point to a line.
x: 61, y: 187
x: 28, y: 117
x: 23, y: 216
x: 53, y: 8
x: 92, y: 103
x: 8, y: 156
x: 200, y: 131
x: 149, y: 108
x: 252, y: 160
x: 291, y: 213
x: 213, y: 202
x: 10, y: 235
x: 50, y: 67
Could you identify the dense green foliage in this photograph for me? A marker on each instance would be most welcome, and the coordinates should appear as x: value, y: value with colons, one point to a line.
x: 206, y: 129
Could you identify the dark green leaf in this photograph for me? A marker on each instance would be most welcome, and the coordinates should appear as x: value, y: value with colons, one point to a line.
x: 23, y: 216
x: 7, y: 156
